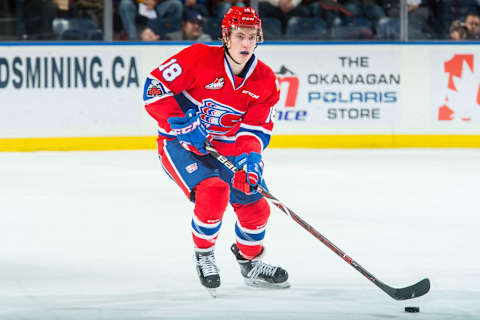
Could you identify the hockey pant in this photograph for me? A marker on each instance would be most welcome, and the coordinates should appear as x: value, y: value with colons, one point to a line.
x: 207, y: 183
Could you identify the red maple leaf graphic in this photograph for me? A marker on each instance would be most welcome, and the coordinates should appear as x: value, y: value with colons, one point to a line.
x: 445, y: 113
x: 454, y: 67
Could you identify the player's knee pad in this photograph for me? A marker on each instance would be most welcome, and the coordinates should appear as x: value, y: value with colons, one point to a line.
x: 211, y: 199
x: 253, y: 215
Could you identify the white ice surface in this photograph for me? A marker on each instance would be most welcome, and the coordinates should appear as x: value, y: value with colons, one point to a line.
x: 106, y: 235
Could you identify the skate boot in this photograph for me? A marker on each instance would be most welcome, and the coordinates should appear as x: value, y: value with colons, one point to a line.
x: 259, y: 274
x: 207, y: 269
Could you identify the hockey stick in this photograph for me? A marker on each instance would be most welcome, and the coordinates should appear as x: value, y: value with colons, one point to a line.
x: 416, y: 290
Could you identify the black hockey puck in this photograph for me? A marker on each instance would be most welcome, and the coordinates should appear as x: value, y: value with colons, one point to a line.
x: 412, y: 309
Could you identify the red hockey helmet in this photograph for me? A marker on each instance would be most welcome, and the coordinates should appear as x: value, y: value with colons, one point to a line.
x: 241, y: 17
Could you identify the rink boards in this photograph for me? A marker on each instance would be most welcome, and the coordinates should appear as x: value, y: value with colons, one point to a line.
x: 333, y: 95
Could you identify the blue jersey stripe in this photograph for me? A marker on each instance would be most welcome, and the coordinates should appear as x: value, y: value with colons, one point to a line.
x: 184, y: 103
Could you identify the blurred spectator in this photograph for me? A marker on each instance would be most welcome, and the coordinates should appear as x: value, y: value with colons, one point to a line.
x: 472, y: 22
x: 192, y: 28
x: 37, y: 17
x: 118, y: 33
x: 61, y: 19
x: 91, y: 9
x: 332, y: 11
x: 282, y: 10
x: 197, y: 5
x: 370, y: 9
x: 132, y: 13
x: 420, y: 15
x: 220, y: 7
x: 66, y: 9
x: 149, y: 35
x: 7, y: 20
x: 458, y: 30
x: 392, y: 7
x: 153, y: 31
x: 449, y: 10
x: 146, y: 12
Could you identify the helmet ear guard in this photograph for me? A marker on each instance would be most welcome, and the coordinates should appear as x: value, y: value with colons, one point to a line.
x: 241, y: 17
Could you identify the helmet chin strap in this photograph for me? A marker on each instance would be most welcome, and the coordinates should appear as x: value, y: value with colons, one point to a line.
x: 228, y: 53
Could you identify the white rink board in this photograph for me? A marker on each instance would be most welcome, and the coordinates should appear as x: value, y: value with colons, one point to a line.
x: 96, y: 90
x: 101, y: 93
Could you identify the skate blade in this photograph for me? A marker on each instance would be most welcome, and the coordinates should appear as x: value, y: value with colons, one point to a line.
x: 212, y: 292
x: 264, y: 284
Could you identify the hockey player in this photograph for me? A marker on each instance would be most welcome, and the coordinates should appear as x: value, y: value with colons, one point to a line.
x: 225, y: 96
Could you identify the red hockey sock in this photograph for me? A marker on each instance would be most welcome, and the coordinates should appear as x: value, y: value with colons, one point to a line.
x: 250, y: 229
x: 211, y: 200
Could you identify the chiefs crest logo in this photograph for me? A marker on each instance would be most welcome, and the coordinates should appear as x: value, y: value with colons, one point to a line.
x: 218, y: 118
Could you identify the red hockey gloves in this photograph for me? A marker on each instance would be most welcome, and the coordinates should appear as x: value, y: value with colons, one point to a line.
x: 247, y: 179
x: 190, y: 132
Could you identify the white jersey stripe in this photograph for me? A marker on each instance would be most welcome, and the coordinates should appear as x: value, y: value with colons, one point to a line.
x: 205, y: 225
x: 223, y: 138
x: 256, y: 231
x: 204, y: 236
x: 163, y: 131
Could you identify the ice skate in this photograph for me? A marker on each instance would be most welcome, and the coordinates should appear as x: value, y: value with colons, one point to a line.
x: 259, y: 274
x: 207, y: 270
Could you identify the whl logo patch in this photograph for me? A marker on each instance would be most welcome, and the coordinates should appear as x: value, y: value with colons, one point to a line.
x: 216, y: 84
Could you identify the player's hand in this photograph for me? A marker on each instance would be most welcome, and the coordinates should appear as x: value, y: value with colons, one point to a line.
x: 247, y: 179
x: 190, y: 132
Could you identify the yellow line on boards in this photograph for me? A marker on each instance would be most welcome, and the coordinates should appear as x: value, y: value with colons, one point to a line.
x: 278, y: 141
x: 77, y: 143
x: 375, y: 141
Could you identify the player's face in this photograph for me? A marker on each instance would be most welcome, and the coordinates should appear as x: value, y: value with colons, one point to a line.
x: 242, y: 43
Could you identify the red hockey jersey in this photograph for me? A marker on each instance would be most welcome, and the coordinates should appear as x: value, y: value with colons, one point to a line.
x: 236, y: 111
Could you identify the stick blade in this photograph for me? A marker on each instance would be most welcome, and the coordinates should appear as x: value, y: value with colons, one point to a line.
x: 414, y: 291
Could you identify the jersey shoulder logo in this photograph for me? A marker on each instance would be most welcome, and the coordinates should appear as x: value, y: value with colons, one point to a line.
x: 154, y: 88
x: 216, y: 84
x: 218, y: 118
